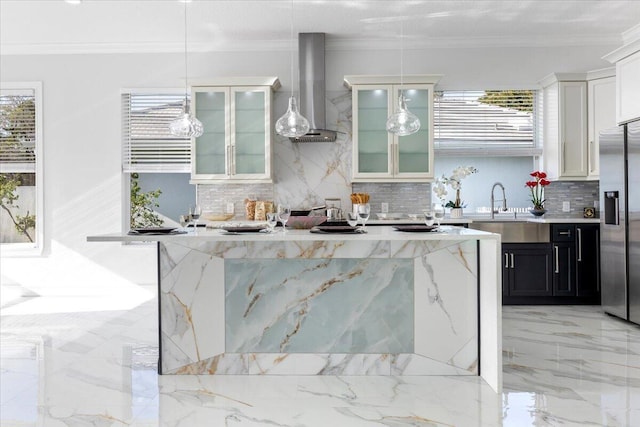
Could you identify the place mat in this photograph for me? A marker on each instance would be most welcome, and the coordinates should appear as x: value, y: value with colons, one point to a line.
x: 417, y: 228
x: 336, y: 229
x: 250, y: 229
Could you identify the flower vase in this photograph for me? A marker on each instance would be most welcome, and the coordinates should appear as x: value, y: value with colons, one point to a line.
x: 537, y: 211
x: 456, y: 213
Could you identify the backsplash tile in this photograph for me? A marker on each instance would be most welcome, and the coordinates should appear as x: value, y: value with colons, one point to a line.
x: 402, y: 197
x: 579, y: 194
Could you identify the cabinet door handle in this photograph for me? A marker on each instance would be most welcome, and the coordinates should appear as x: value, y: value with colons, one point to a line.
x: 557, y: 254
x: 233, y: 159
x: 598, y: 255
x: 396, y: 161
x: 506, y: 260
x: 512, y: 263
x: 228, y: 154
x: 579, y: 244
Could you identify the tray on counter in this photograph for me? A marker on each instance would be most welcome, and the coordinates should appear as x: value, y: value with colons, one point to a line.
x: 155, y: 231
x: 245, y: 229
x: 416, y: 228
x: 336, y: 229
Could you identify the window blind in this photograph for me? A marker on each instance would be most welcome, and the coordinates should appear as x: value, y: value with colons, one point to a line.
x: 492, y: 122
x: 147, y: 144
x: 17, y: 131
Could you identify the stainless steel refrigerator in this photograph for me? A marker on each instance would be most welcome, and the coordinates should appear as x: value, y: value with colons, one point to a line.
x: 620, y: 221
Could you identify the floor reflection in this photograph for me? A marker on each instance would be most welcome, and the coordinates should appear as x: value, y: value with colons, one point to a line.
x: 569, y: 366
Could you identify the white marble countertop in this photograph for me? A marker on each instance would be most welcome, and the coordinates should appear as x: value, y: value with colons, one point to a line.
x: 386, y: 233
x: 566, y: 220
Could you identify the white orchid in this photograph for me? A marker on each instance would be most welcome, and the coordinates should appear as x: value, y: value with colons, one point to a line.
x: 455, y: 182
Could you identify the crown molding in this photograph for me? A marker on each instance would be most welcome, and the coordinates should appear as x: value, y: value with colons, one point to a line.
x: 285, y: 45
x: 623, y: 52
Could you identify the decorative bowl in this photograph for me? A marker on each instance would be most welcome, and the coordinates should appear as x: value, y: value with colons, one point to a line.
x: 305, y: 222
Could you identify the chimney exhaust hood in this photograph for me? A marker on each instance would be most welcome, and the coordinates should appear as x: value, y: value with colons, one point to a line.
x: 312, y: 88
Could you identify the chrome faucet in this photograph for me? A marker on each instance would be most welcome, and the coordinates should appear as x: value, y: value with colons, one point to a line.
x: 504, y: 199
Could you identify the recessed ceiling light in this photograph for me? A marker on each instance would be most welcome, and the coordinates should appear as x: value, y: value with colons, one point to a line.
x: 73, y: 1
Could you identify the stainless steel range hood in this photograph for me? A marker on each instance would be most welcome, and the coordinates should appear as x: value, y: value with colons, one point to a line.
x: 312, y: 88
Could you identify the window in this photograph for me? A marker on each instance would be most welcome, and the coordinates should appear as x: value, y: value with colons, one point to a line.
x: 21, y: 209
x: 495, y: 131
x: 148, y: 145
x: 156, y: 159
x: 492, y: 122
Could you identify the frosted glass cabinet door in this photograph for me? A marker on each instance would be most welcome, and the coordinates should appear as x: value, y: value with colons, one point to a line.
x: 210, y: 149
x: 373, y: 156
x: 414, y: 150
x: 236, y: 144
x: 383, y: 157
x: 250, y: 131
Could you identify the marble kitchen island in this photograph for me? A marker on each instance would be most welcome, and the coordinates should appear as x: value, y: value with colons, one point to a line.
x: 298, y: 303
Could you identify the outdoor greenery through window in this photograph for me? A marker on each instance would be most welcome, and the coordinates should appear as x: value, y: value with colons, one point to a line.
x: 19, y: 168
x: 156, y: 163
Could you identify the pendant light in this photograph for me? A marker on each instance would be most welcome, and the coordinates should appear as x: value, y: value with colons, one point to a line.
x: 292, y: 124
x: 187, y: 125
x: 402, y: 122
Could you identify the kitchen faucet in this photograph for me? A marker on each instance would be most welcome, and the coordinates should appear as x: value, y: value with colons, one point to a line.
x: 504, y: 199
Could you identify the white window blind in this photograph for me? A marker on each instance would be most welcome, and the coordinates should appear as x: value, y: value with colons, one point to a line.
x: 498, y: 122
x: 148, y: 146
x: 17, y: 131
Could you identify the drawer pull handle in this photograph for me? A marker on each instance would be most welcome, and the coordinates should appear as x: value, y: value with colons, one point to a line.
x: 565, y: 233
x: 579, y: 245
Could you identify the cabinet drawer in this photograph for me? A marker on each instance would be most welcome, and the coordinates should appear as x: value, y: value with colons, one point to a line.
x: 563, y: 232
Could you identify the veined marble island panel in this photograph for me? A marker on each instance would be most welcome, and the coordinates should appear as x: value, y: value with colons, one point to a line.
x: 410, y: 307
x: 382, y: 303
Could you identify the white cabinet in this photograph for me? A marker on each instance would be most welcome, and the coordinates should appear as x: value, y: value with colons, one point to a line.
x: 628, y: 74
x: 565, y: 127
x: 601, y: 110
x: 237, y: 141
x: 379, y: 156
x: 627, y: 60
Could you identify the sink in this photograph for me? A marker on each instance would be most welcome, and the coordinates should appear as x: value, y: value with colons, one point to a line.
x: 514, y: 231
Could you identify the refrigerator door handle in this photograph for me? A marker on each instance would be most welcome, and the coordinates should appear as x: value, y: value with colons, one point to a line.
x: 579, y: 244
x: 617, y: 209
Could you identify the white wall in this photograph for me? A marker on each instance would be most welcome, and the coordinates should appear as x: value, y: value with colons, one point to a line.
x: 83, y: 189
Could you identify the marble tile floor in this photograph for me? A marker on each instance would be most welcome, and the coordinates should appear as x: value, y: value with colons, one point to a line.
x: 61, y: 366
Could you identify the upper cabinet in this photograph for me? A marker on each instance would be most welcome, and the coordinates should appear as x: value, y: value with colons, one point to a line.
x: 379, y: 156
x: 565, y: 126
x: 627, y: 60
x: 237, y: 141
x: 601, y: 96
x: 576, y: 107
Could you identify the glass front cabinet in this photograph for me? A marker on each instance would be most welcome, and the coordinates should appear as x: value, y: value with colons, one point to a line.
x: 379, y: 156
x: 236, y: 143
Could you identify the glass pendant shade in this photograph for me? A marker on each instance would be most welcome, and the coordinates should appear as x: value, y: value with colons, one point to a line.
x: 186, y: 126
x: 403, y: 122
x: 292, y: 123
